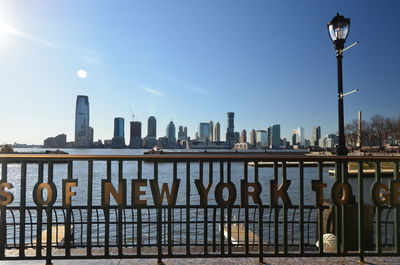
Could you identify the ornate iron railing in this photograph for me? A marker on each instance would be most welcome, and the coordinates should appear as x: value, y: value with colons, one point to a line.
x: 183, y: 206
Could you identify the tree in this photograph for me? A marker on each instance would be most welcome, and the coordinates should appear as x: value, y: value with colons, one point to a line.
x: 6, y: 149
x: 351, y: 132
x: 379, y: 128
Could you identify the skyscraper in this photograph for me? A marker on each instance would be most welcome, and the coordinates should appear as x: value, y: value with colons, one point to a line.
x: 119, y: 130
x: 275, y: 136
x: 315, y: 136
x: 118, y: 140
x: 217, y: 132
x: 253, y: 137
x: 295, y: 137
x: 136, y: 134
x: 171, y: 134
x: 210, y: 131
x: 261, y: 138
x: 243, y: 136
x: 152, y: 127
x: 82, y: 130
x: 230, y: 131
x: 204, y: 128
x: 181, y: 134
x: 300, y: 132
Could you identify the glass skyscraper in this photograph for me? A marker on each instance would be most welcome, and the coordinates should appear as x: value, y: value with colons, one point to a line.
x: 119, y: 133
x: 204, y: 129
x: 152, y: 127
x: 275, y: 136
x: 171, y: 134
x: 230, y: 131
x: 83, y: 136
x: 315, y: 136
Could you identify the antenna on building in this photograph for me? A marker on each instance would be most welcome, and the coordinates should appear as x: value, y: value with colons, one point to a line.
x: 133, y: 115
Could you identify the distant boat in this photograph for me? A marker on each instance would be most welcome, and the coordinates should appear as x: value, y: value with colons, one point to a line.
x: 156, y: 150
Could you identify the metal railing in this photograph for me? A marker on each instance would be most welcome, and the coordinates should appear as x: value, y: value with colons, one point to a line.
x: 187, y: 206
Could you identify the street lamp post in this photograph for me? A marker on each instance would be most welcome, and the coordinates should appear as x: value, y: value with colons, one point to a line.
x: 338, y: 29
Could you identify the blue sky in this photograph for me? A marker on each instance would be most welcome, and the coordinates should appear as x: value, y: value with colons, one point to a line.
x: 191, y: 61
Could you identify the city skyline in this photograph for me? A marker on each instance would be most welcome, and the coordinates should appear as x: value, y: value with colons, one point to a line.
x: 224, y: 57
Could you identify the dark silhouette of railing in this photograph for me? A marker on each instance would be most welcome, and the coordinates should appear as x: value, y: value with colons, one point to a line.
x: 90, y: 228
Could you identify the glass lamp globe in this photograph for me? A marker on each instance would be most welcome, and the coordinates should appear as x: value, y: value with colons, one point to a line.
x: 338, y: 29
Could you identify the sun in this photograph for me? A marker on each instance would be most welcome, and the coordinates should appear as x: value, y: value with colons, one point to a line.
x: 82, y: 73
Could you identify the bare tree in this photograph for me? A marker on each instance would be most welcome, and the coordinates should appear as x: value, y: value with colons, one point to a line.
x: 351, y: 132
x: 378, y: 126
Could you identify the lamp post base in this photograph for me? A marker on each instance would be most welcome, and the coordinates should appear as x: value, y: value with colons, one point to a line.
x: 342, y: 151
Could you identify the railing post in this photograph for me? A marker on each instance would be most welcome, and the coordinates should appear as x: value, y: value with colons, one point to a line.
x: 320, y: 211
x: 139, y: 216
x: 188, y: 208
x: 39, y: 212
x: 301, y: 207
x: 22, y: 210
x: 120, y: 210
x: 378, y: 211
x: 246, y: 211
x: 68, y: 216
x: 276, y: 212
x: 49, y: 214
x: 360, y: 211
x: 397, y: 214
x: 3, y: 217
x: 159, y: 220
x: 338, y: 227
x: 89, y: 209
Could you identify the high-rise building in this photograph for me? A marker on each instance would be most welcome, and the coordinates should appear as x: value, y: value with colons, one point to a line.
x: 253, y: 137
x: 171, y: 134
x: 243, y: 136
x: 181, y: 133
x: 275, y: 136
x: 261, y: 138
x: 82, y: 131
x: 211, y: 131
x: 118, y: 140
x: 300, y: 132
x: 295, y: 137
x: 269, y: 134
x: 204, y: 128
x: 230, y: 131
x: 136, y: 134
x: 152, y: 127
x: 236, y: 139
x: 185, y: 132
x: 217, y: 132
x: 315, y: 136
x: 119, y: 130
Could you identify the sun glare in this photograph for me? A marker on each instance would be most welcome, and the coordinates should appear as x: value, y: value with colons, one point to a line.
x: 82, y: 73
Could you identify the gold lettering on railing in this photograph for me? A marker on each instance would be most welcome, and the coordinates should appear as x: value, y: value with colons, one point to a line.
x: 136, y: 192
x: 203, y: 192
x: 245, y: 193
x: 38, y: 193
x: 219, y: 198
x: 6, y: 197
x: 107, y: 188
x: 68, y: 184
x: 159, y: 196
x: 341, y: 193
x: 380, y: 194
x: 281, y: 192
